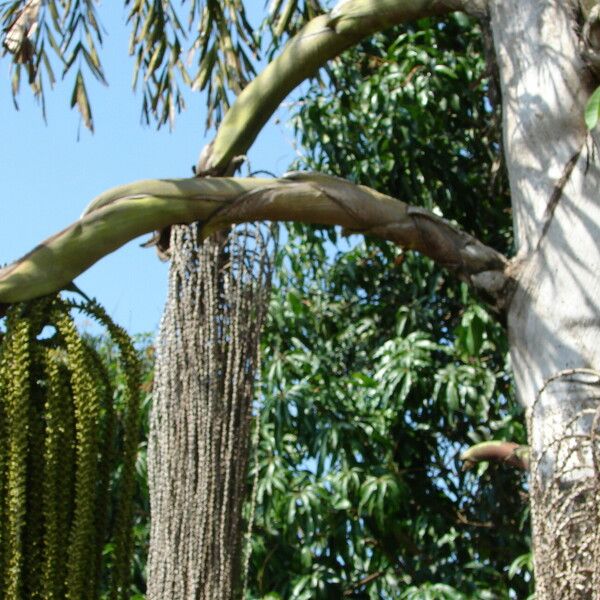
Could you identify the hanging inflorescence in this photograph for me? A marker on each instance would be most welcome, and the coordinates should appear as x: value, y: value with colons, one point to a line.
x: 66, y: 449
x: 207, y: 358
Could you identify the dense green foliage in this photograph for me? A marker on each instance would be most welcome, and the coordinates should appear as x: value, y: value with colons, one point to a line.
x: 67, y: 458
x: 379, y: 368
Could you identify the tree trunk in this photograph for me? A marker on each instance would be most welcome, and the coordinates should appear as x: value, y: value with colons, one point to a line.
x: 554, y: 316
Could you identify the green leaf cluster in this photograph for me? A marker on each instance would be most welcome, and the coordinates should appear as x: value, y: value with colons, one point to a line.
x: 177, y: 47
x: 371, y: 392
x: 49, y: 37
x: 413, y: 113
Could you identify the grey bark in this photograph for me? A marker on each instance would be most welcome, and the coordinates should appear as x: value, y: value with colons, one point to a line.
x: 554, y: 317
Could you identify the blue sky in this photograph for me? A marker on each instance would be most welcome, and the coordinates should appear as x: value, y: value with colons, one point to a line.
x: 49, y: 176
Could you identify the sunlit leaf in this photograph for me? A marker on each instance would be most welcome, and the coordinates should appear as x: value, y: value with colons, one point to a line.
x: 592, y: 110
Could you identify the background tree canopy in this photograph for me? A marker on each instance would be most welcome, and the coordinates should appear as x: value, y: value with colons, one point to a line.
x: 378, y: 366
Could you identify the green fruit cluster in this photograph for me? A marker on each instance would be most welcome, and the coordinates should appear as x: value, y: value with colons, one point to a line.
x: 66, y: 448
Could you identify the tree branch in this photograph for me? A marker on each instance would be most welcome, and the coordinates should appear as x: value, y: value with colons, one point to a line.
x: 364, y: 581
x: 510, y: 453
x: 321, y: 39
x: 126, y: 212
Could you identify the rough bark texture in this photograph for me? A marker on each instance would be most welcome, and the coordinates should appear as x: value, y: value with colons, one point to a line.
x: 554, y: 317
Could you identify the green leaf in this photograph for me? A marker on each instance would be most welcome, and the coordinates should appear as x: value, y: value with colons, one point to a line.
x: 80, y: 99
x: 521, y: 563
x: 341, y: 504
x: 592, y: 110
x: 445, y: 70
x: 295, y: 302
